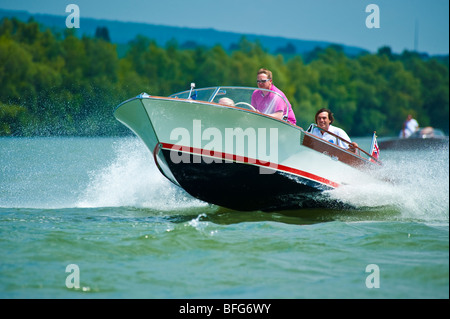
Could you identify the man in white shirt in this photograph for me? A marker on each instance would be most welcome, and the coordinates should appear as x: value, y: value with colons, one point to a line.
x: 324, y: 118
x: 409, y: 127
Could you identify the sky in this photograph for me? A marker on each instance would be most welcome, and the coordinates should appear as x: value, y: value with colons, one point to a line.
x: 403, y: 24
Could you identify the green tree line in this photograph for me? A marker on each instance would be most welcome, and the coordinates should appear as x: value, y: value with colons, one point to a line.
x: 59, y: 84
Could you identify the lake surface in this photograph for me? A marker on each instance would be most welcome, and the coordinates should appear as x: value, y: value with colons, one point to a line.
x: 94, y: 218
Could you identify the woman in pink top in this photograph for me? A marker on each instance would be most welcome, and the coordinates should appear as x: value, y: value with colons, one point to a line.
x: 269, y: 103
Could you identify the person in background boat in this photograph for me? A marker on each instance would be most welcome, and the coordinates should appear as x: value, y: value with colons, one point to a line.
x: 324, y: 118
x: 269, y: 103
x: 426, y: 132
x: 409, y: 127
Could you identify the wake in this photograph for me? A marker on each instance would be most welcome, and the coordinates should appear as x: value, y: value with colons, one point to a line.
x: 132, y: 179
x: 418, y: 188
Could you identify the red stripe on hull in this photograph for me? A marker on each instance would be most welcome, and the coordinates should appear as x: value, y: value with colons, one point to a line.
x: 244, y: 159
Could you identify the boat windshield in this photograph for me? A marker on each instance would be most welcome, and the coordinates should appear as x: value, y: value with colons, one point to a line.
x: 237, y: 96
x: 428, y: 132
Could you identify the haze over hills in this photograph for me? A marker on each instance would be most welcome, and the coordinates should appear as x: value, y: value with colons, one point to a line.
x: 124, y: 32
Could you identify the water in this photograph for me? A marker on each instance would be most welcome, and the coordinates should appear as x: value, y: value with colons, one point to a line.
x: 101, y: 204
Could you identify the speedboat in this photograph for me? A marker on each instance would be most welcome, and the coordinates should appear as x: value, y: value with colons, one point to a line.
x: 215, y: 145
x: 424, y: 138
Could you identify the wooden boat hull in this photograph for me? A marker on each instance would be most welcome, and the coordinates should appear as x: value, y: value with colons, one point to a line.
x: 239, y: 158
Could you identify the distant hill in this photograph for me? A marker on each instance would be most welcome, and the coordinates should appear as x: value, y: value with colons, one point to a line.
x: 123, y: 32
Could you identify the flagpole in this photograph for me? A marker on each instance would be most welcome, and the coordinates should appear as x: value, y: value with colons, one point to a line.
x: 373, y: 142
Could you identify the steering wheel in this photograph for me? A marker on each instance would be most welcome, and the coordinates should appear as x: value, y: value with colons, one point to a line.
x: 246, y: 105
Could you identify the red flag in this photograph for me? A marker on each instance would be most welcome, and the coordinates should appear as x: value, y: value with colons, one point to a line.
x: 374, y: 149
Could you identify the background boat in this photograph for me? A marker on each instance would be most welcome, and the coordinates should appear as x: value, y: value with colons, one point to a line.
x: 425, y: 138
